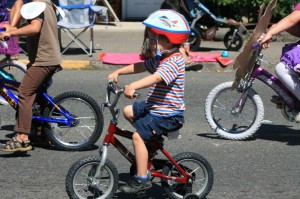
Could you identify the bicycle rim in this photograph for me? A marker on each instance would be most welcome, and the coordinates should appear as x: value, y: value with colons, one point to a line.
x: 15, y: 70
x: 197, y: 167
x: 83, y: 178
x: 86, y: 122
x: 223, y: 112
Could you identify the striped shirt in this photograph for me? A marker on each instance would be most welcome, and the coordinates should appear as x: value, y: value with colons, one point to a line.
x: 165, y: 98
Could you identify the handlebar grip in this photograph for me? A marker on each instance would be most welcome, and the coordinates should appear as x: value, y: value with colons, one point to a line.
x: 2, y: 29
x: 136, y: 95
x: 255, y: 45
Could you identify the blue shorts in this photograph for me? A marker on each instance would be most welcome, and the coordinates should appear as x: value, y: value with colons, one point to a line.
x: 145, y: 123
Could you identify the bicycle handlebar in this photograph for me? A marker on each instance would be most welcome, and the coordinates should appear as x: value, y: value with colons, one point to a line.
x: 3, y: 43
x: 114, y: 88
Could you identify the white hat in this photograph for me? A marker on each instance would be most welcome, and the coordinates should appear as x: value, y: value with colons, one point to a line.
x: 32, y: 10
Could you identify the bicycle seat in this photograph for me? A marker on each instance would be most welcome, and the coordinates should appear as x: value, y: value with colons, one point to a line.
x: 174, y: 135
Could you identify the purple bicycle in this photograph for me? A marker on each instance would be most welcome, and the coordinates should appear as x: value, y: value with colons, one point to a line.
x: 237, y: 114
x: 233, y: 109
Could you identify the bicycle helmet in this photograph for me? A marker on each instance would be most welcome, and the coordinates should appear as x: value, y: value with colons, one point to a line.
x: 169, y: 23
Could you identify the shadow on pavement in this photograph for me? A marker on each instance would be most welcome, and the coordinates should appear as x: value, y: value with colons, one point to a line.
x: 279, y: 133
x: 14, y: 155
x: 271, y: 132
x: 155, y: 192
x: 37, y: 141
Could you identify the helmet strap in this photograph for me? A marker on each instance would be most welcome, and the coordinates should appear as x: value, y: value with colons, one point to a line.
x: 169, y: 51
x: 159, y: 53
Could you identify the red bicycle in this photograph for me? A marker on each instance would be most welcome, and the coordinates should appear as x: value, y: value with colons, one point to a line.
x: 183, y: 175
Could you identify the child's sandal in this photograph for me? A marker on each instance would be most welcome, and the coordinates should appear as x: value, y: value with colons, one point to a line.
x: 14, y: 145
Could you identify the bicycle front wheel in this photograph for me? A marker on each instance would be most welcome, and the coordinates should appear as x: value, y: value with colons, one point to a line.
x: 233, y: 41
x: 80, y: 177
x: 195, y: 165
x: 227, y: 122
x: 13, y: 70
x: 83, y: 133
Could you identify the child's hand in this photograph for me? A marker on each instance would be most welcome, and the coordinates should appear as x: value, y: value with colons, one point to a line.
x: 129, y: 91
x: 8, y: 27
x: 113, y: 77
x: 265, y: 40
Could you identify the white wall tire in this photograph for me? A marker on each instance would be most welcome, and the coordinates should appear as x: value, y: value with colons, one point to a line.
x: 241, y: 126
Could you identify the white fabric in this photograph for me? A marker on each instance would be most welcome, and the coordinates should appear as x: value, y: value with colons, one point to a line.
x: 32, y: 10
x: 289, y: 78
x: 60, y: 11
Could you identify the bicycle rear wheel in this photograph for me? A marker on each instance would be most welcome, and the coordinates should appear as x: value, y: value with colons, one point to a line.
x: 87, y: 128
x: 200, y: 170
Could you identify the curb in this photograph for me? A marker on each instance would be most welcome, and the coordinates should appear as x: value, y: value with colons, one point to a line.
x: 69, y: 64
x: 97, y: 65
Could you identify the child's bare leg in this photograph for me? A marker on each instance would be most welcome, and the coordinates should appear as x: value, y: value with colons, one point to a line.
x: 141, y: 154
x: 128, y: 113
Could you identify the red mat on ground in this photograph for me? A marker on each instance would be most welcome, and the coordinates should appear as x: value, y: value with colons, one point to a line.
x: 120, y: 58
x: 203, y: 57
x: 131, y: 58
x: 224, y: 61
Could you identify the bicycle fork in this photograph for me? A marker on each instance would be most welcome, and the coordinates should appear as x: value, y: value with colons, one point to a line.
x: 238, y: 107
x: 103, y: 155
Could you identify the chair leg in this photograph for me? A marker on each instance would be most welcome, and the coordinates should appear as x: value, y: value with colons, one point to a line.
x: 92, y: 39
x: 21, y: 40
x: 59, y: 39
x: 76, y: 40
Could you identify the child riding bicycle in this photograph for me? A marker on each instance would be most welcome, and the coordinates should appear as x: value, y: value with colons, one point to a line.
x: 163, y: 109
x: 288, y: 69
x: 44, y: 60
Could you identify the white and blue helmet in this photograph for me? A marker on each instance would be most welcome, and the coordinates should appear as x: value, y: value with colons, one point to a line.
x: 169, y: 23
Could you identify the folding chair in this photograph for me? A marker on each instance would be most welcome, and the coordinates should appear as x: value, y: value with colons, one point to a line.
x: 79, y: 14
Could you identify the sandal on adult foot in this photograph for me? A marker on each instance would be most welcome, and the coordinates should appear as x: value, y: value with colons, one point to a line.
x: 14, y: 145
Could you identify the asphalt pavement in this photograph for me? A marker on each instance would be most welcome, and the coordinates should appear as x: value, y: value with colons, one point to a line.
x: 127, y: 37
x: 265, y: 166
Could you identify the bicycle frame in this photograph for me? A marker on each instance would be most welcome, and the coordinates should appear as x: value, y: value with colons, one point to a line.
x: 272, y: 81
x: 155, y: 146
x: 6, y: 85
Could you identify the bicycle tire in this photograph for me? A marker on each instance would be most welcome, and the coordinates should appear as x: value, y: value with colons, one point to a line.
x: 233, y: 126
x: 231, y: 43
x: 86, y: 189
x: 194, y: 39
x: 89, y: 124
x: 202, y: 168
x: 14, y: 68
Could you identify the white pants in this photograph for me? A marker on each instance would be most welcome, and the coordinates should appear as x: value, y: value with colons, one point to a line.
x: 289, y: 78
